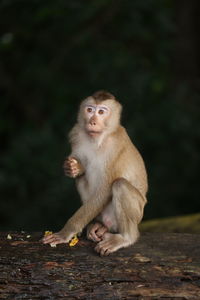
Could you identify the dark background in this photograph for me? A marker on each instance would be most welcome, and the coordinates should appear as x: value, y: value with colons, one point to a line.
x: 55, y: 53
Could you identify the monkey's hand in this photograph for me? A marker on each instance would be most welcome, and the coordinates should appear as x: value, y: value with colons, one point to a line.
x: 57, y: 238
x: 72, y: 167
x: 95, y: 231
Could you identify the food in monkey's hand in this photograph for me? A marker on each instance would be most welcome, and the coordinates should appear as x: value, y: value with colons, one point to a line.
x: 48, y: 233
x: 72, y: 243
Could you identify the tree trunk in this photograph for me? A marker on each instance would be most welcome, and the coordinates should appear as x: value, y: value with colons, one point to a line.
x: 158, y: 266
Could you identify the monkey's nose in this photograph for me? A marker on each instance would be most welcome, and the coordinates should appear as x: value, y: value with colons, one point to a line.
x: 92, y: 122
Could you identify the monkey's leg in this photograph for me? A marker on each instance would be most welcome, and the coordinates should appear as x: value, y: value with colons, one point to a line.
x: 128, y: 205
x: 95, y: 231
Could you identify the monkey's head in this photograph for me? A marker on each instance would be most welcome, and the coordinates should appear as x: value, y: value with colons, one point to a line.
x: 99, y: 113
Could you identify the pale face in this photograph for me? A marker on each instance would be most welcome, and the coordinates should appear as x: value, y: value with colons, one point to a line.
x: 96, y: 116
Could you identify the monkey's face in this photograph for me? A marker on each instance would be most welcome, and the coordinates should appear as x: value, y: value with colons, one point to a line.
x: 96, y: 116
x: 99, y: 117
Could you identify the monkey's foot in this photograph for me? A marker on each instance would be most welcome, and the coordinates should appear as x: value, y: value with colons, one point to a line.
x: 96, y: 231
x: 111, y: 242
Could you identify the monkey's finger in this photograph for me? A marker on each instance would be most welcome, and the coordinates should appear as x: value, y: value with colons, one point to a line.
x: 93, y: 237
x: 69, y: 161
x: 75, y: 171
x: 96, y: 238
x: 51, y: 238
x: 94, y: 233
x: 72, y: 160
x: 47, y: 239
x: 70, y: 173
x: 73, y: 174
x: 71, y: 168
x: 67, y: 165
x: 100, y: 232
x: 96, y: 226
x: 68, y: 169
x: 55, y: 241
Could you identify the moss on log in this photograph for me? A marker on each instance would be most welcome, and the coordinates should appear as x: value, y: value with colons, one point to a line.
x: 158, y: 266
x: 185, y: 224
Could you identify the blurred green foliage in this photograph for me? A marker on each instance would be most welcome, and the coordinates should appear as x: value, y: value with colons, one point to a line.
x: 52, y: 55
x: 184, y: 224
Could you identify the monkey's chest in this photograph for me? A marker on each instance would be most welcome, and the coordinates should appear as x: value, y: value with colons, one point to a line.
x: 92, y: 181
x: 95, y: 171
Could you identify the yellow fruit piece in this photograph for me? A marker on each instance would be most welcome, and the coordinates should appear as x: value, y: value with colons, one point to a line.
x: 48, y: 233
x: 73, y: 241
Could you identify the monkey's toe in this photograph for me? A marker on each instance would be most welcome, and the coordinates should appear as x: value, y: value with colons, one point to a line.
x: 111, y: 243
x: 104, y: 249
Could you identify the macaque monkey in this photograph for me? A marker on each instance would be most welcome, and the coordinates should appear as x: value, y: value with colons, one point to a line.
x: 110, y: 177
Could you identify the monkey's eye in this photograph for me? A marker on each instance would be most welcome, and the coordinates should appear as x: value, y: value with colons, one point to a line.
x: 89, y: 109
x: 101, y: 112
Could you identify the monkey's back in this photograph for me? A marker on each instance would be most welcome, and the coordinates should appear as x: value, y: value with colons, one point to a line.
x: 129, y: 163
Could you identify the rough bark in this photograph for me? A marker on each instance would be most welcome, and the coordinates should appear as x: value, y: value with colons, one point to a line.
x: 158, y: 266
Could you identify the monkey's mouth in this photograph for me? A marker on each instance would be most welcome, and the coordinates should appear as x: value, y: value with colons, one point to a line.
x: 93, y: 133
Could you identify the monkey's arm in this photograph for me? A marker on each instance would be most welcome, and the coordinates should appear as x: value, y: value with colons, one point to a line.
x: 72, y: 167
x: 85, y: 214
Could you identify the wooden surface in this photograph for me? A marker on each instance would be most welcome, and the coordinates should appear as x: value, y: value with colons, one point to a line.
x: 159, y: 266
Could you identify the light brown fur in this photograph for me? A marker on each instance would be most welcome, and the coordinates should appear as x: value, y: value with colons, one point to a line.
x: 110, y: 177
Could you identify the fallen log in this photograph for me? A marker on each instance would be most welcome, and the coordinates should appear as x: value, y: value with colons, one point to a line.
x: 158, y: 266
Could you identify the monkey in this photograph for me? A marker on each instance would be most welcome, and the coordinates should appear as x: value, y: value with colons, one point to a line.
x: 110, y: 176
